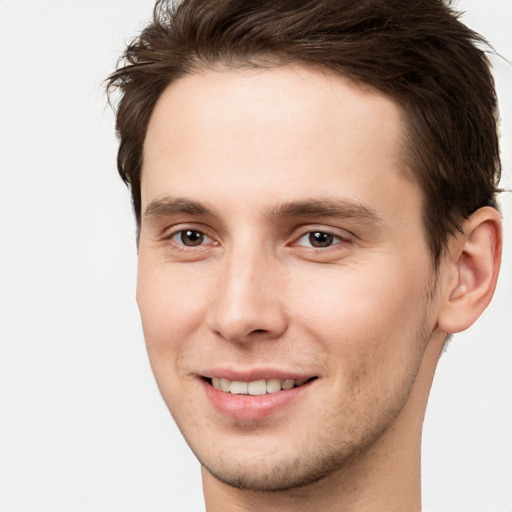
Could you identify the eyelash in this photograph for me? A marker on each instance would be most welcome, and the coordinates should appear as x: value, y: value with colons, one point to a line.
x: 336, y: 239
x: 182, y: 246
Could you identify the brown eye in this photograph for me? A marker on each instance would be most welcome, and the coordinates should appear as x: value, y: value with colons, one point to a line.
x: 320, y: 239
x: 190, y: 237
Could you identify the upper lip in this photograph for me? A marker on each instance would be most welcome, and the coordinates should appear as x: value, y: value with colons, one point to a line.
x: 254, y: 374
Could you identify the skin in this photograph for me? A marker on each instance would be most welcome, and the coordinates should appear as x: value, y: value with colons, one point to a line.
x: 252, y: 161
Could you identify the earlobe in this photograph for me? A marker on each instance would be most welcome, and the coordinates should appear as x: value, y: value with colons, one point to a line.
x: 471, y: 272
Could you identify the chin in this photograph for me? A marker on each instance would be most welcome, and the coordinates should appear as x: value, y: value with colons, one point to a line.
x: 275, y: 470
x: 282, y: 476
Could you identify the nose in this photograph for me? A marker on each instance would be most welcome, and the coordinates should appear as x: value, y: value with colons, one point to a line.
x: 248, y: 303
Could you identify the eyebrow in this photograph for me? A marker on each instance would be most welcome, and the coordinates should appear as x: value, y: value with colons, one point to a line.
x: 167, y: 206
x: 327, y: 207
x: 312, y: 208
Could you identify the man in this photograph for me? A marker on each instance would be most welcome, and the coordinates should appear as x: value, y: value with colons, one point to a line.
x: 314, y: 185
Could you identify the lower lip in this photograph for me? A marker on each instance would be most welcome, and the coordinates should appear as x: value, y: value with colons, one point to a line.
x: 251, y: 407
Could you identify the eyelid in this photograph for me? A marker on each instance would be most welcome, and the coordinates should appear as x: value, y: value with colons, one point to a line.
x: 343, y: 236
x: 171, y: 232
x: 177, y: 233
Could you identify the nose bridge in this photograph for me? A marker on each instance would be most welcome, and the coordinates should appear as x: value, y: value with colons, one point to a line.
x: 247, y: 301
x: 242, y: 267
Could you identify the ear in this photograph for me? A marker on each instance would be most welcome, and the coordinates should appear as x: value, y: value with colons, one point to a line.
x: 470, y: 272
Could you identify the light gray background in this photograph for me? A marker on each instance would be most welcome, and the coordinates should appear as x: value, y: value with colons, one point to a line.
x: 82, y: 427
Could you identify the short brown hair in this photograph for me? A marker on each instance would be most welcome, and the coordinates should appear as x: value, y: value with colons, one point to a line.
x: 416, y: 51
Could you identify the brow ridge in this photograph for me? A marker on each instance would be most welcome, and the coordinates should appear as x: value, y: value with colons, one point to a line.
x: 326, y: 207
x: 318, y: 207
x: 169, y: 205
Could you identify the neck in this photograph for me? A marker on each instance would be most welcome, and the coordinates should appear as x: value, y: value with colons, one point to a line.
x: 384, y: 476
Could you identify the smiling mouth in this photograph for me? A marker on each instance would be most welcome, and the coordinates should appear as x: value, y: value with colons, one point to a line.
x: 256, y: 387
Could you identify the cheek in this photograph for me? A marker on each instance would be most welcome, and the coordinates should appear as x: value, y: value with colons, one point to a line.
x: 356, y: 311
x: 169, y: 308
x: 374, y: 332
x: 172, y: 305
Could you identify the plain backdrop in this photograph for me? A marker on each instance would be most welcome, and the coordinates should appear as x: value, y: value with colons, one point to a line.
x: 82, y: 426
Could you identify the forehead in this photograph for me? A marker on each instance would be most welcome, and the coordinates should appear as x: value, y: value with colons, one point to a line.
x: 263, y: 136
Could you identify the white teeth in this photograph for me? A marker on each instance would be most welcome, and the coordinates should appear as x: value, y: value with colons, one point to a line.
x: 239, y: 388
x: 256, y: 387
x: 288, y: 384
x: 225, y: 385
x: 273, y: 385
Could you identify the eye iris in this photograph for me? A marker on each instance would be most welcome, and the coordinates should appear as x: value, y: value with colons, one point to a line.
x: 190, y: 237
x: 319, y: 239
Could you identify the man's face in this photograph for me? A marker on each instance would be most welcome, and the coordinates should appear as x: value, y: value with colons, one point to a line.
x: 281, y: 245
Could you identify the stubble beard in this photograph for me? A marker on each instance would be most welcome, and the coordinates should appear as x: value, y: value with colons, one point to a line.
x: 325, y: 453
x: 287, y: 473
